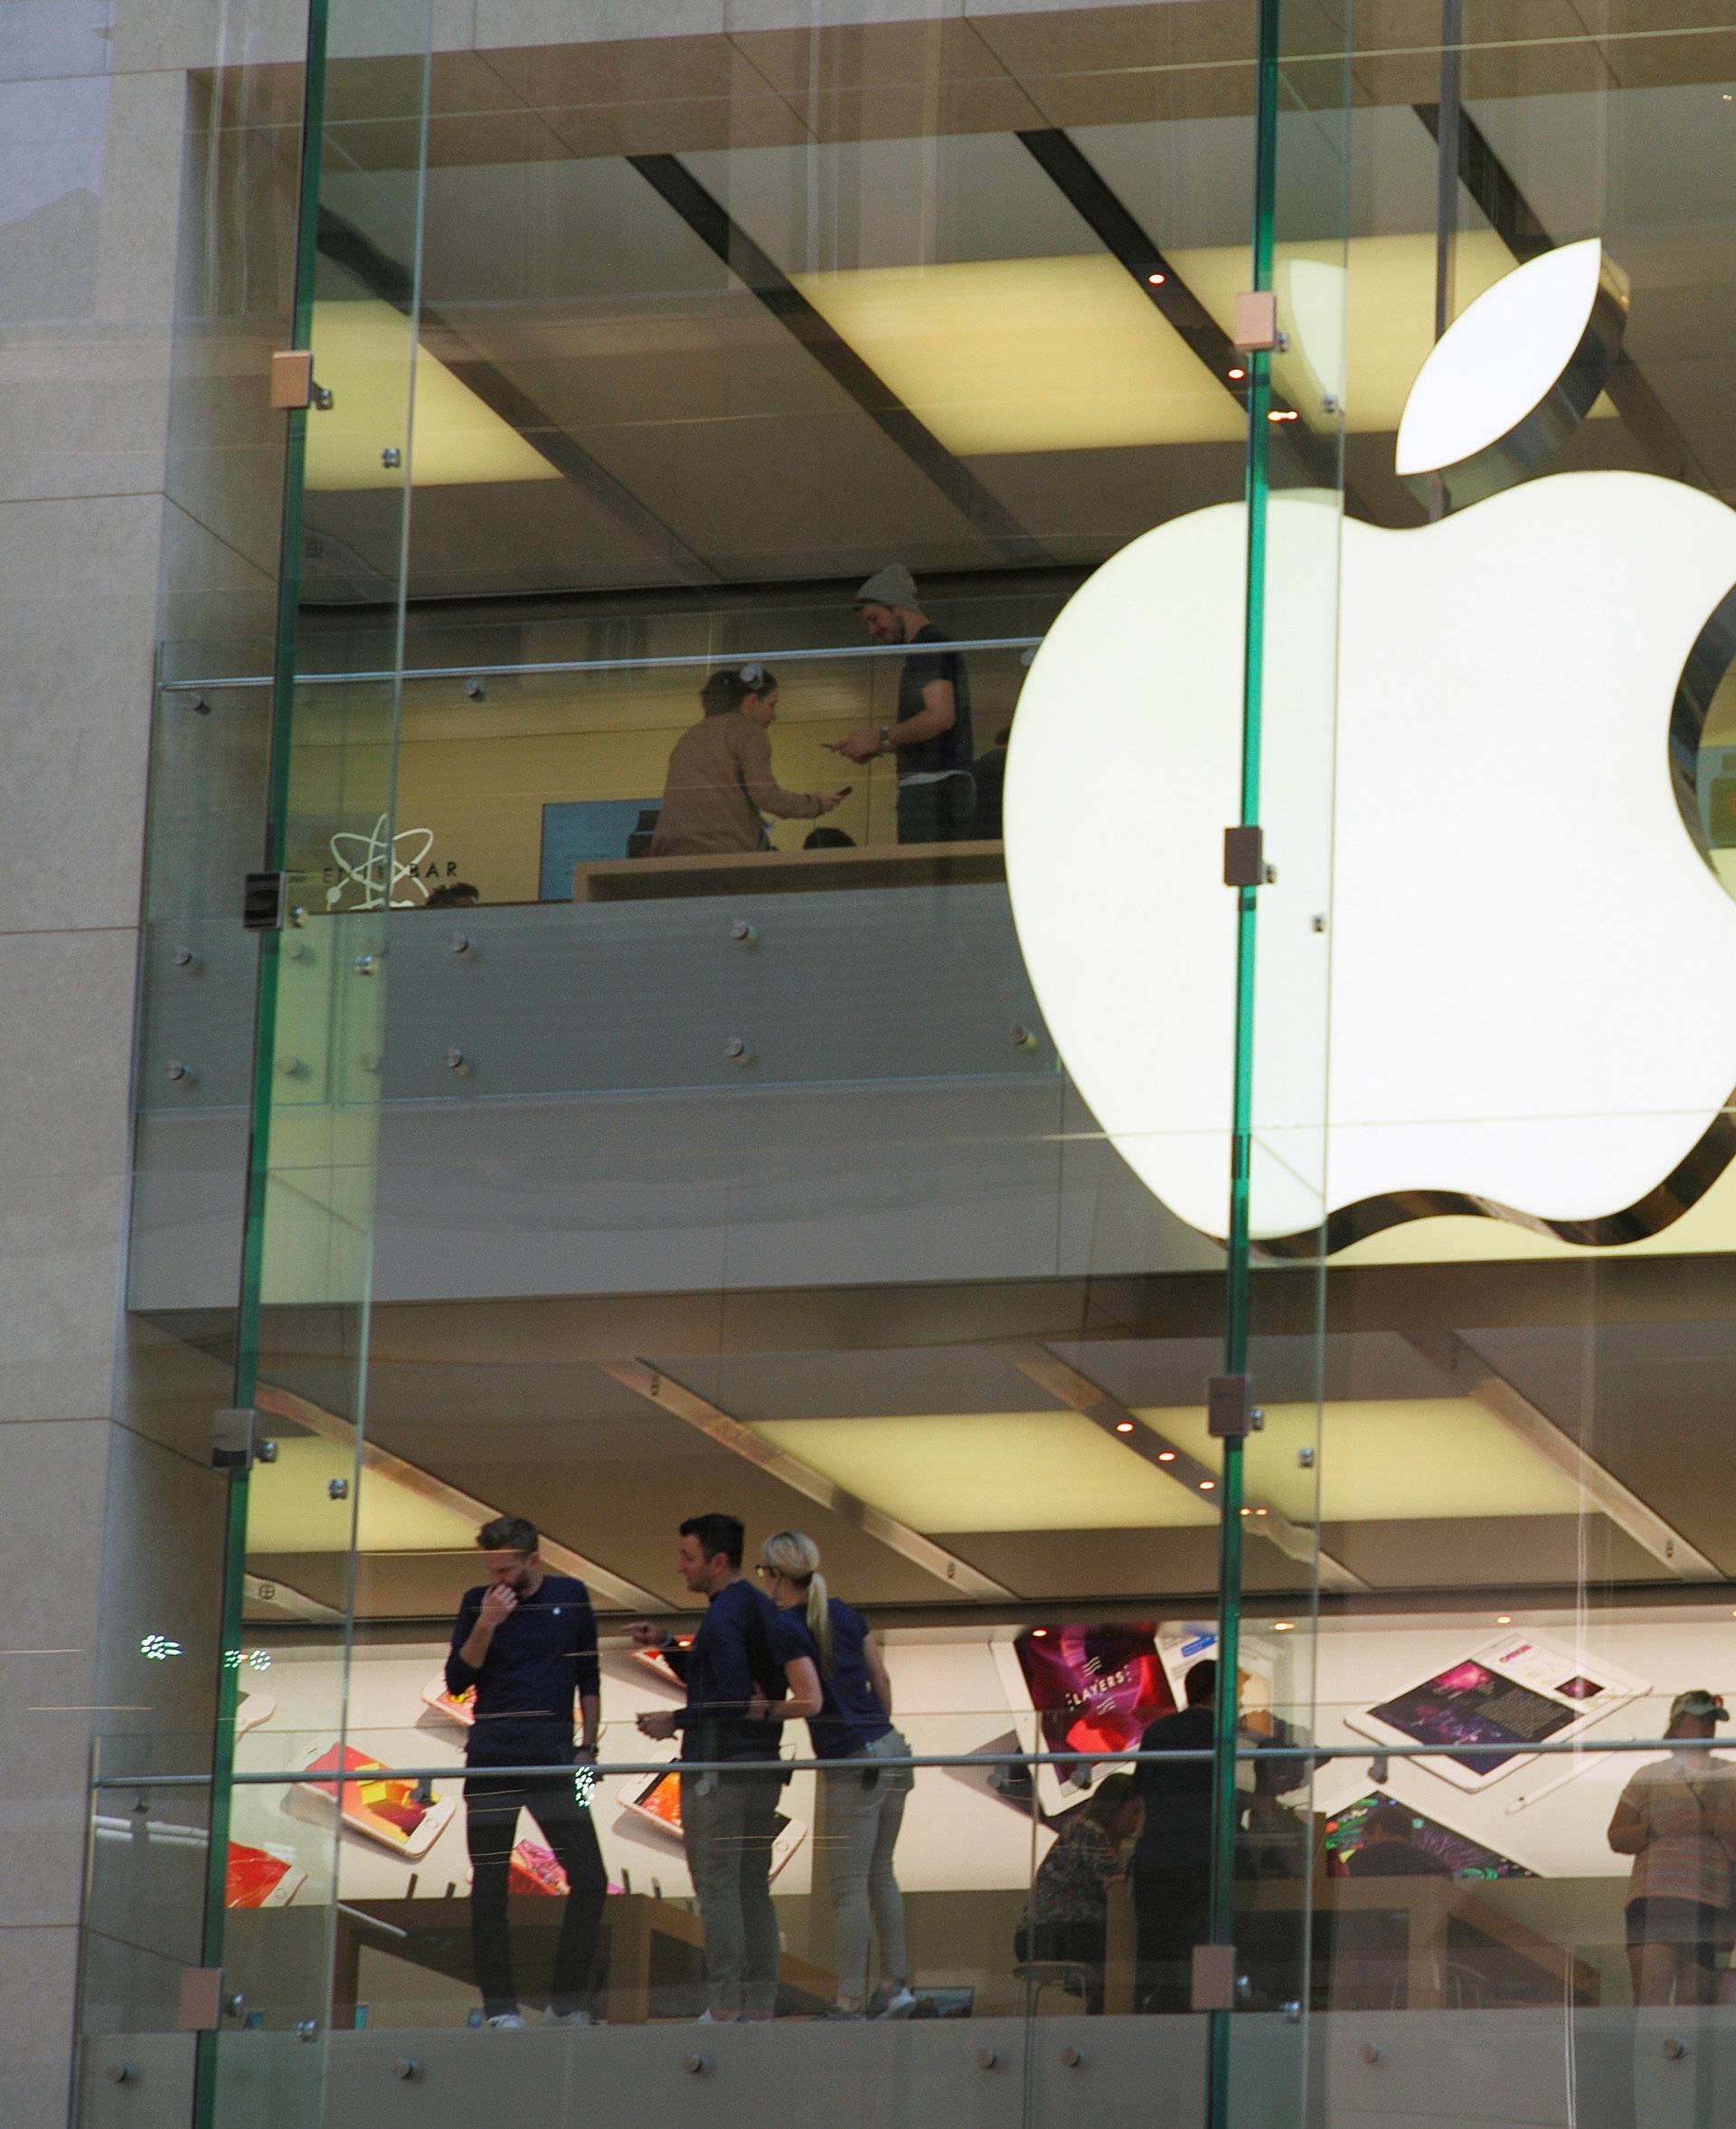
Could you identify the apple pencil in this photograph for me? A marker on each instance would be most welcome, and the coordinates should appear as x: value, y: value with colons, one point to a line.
x: 1576, y: 1767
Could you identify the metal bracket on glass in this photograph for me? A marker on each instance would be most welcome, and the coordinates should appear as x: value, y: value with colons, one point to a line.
x: 201, y: 2000
x: 292, y: 382
x: 234, y: 1438
x: 1231, y: 1412
x: 1244, y: 857
x: 1215, y: 1977
x: 264, y: 899
x: 1255, y: 321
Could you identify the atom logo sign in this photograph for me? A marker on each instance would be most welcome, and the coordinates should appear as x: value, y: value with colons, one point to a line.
x: 1489, y: 974
x: 378, y: 869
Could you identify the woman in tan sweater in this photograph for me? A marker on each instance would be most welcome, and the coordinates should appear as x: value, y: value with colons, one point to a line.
x: 720, y: 780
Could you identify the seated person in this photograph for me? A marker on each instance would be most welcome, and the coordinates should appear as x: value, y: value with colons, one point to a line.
x: 719, y: 779
x: 1387, y: 1849
x: 1369, y: 1950
x: 453, y: 895
x: 1275, y: 1841
x: 1067, y: 1917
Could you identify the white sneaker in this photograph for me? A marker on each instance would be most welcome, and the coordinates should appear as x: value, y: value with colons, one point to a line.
x: 506, y: 2021
x: 900, y: 2004
x: 567, y: 2018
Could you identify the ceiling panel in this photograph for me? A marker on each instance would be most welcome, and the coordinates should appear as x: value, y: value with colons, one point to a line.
x: 1651, y: 1402
x: 1003, y: 1470
x: 841, y: 1386
x: 617, y: 1489
x: 1519, y: 1552
x: 839, y: 205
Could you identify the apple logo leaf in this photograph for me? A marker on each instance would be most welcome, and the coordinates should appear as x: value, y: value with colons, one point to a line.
x: 1514, y: 374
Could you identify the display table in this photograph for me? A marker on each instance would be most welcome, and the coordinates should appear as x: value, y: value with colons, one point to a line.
x: 650, y: 1958
x: 1413, y: 1944
x: 790, y: 872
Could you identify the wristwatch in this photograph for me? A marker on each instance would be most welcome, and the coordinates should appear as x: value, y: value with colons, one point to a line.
x: 886, y: 739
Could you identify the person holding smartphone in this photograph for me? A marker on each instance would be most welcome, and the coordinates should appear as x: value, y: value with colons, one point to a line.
x: 728, y: 1820
x: 719, y: 784
x: 838, y: 1686
x: 526, y: 1641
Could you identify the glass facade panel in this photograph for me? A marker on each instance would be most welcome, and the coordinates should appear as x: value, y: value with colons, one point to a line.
x: 947, y: 887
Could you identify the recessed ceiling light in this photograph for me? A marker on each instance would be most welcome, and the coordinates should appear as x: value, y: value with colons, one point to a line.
x: 1124, y: 1426
x: 1039, y: 1633
x: 1168, y: 1456
x: 1156, y: 280
x: 1283, y: 1626
x: 1236, y: 375
x: 1208, y: 1485
x: 1504, y: 1618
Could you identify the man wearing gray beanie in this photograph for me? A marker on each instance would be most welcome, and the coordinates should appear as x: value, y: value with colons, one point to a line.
x: 929, y: 737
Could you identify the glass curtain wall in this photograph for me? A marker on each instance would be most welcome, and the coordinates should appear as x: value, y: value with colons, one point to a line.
x: 269, y: 1029
x: 1115, y: 1245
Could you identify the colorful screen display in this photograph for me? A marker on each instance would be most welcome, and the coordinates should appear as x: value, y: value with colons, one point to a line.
x: 1462, y: 1857
x: 1471, y: 1704
x: 386, y: 1808
x: 1094, y: 1688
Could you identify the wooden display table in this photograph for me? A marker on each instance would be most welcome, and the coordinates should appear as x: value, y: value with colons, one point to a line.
x: 650, y: 1958
x: 790, y: 872
x: 1438, y: 1926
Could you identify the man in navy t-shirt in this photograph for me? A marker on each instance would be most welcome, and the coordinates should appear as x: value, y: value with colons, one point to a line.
x: 929, y: 737
x: 526, y: 1640
x: 728, y: 1821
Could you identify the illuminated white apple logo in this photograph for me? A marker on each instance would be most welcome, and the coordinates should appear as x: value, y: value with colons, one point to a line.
x: 1494, y: 973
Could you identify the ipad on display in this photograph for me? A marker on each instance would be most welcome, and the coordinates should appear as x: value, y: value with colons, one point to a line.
x: 657, y: 1799
x: 1508, y: 1694
x: 1457, y: 1853
x: 458, y: 1708
x: 656, y: 1661
x: 1091, y: 1689
x: 371, y: 1800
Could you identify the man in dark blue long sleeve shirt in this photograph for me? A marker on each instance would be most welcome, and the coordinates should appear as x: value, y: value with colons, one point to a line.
x: 727, y: 1821
x: 526, y: 1640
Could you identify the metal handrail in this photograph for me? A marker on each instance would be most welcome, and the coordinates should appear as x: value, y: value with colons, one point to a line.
x: 672, y: 661
x: 452, y: 1770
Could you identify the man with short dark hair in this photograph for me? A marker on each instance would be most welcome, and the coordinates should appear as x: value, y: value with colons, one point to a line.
x: 1171, y: 1864
x: 930, y: 737
x: 526, y: 1640
x: 727, y: 1821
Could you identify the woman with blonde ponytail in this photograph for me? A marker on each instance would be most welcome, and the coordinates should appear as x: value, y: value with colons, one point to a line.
x: 837, y: 1684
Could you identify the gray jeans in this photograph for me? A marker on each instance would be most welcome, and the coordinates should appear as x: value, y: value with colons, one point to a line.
x: 727, y: 1822
x: 861, y: 1823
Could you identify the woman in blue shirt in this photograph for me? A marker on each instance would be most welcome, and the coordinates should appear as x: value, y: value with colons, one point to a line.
x: 837, y: 1683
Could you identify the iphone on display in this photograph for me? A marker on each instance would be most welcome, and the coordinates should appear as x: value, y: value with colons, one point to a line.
x: 1506, y: 1695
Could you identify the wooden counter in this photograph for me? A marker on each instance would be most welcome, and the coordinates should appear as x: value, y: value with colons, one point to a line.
x: 1425, y: 1959
x: 650, y: 1959
x: 790, y: 872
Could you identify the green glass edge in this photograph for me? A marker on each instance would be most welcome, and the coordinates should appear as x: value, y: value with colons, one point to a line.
x: 1236, y: 1294
x: 259, y: 1155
